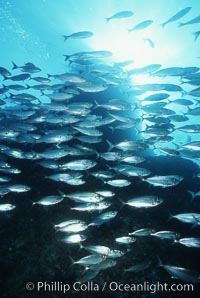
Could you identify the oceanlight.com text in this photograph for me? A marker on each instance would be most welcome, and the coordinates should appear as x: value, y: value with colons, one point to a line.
x: 56, y: 286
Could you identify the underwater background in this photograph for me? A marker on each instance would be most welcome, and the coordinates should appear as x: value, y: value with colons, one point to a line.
x: 99, y: 125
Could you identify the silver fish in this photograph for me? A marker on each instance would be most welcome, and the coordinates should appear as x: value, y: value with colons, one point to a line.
x: 170, y: 235
x: 106, y: 193
x: 120, y: 15
x: 190, y: 128
x: 53, y: 153
x: 194, y: 146
x: 191, y: 22
x: 177, y: 16
x: 118, y: 182
x: 139, y: 267
x: 92, y: 88
x: 111, y: 155
x: 61, y: 177
x: 90, y: 260
x: 18, y: 188
x: 20, y: 77
x: 85, y: 197
x: 89, y: 131
x: 156, y: 97
x: 79, y: 35
x: 4, y: 72
x: 103, y: 174
x: 142, y: 232
x: 6, y: 207
x: 49, y: 200
x: 193, y: 112
x: 144, y: 201
x: 79, y: 165
x: 141, y: 25
x: 92, y: 206
x: 4, y: 179
x: 97, y: 249
x: 192, y: 218
x: 125, y: 240
x: 164, y: 181
x: 67, y: 222
x: 182, y: 273
x: 128, y: 145
x: 28, y: 67
x: 74, y: 238
x: 74, y: 228
x: 103, y: 218
x: 150, y: 42
x: 132, y: 159
x: 189, y: 242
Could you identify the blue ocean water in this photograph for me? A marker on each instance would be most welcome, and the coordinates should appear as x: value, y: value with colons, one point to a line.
x: 31, y: 250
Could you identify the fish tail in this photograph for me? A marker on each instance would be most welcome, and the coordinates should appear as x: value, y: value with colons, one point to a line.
x: 196, y: 222
x: 196, y: 35
x: 66, y: 57
x: 65, y: 37
x: 62, y: 194
x: 97, y: 154
x: 110, y: 145
x: 177, y: 146
x: 10, y: 95
x: 122, y: 202
x: 14, y: 65
x: 112, y: 129
x: 72, y: 261
x: 170, y: 216
x: 159, y: 261
x: 163, y: 25
x: 42, y: 93
x: 137, y: 131
x: 56, y: 228
x: 192, y: 193
x: 180, y: 25
x: 97, y: 104
x: 107, y: 20
x: 183, y: 82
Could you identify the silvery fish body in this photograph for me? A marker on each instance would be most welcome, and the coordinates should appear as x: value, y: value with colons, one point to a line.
x: 6, y: 207
x: 190, y: 242
x: 164, y: 181
x: 144, y: 201
x: 49, y: 200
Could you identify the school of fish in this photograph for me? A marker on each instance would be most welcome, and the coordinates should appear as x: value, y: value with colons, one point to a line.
x: 88, y: 133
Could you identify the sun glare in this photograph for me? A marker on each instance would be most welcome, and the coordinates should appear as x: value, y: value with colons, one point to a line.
x: 143, y: 79
x: 126, y: 46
